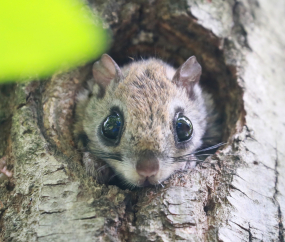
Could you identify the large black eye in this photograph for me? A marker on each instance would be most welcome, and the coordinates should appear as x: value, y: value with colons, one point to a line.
x: 184, y: 128
x: 111, y: 126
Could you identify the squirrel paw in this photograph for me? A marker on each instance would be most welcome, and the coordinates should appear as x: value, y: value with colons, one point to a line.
x: 4, y: 173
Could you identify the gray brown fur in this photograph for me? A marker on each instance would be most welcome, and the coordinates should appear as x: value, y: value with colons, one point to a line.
x: 148, y: 96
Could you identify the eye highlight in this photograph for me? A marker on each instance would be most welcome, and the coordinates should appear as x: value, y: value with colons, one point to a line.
x: 184, y: 128
x: 111, y: 126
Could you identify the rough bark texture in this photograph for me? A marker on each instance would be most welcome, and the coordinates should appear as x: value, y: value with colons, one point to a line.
x: 236, y: 195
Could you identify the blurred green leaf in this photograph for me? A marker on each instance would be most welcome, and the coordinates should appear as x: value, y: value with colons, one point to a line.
x: 38, y: 38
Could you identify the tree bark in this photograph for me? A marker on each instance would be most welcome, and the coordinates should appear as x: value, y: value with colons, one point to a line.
x: 238, y: 194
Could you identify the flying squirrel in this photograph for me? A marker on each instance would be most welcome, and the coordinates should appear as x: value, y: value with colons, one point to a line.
x: 144, y: 121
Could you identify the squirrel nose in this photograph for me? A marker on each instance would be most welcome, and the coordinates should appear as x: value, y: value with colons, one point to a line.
x: 147, y: 165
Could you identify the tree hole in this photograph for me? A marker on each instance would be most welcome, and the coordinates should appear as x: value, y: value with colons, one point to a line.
x: 152, y: 30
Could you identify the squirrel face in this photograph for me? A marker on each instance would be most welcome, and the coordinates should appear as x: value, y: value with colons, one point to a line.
x: 141, y: 118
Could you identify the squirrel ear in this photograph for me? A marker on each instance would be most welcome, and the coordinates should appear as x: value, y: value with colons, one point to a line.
x: 188, y: 74
x: 105, y: 70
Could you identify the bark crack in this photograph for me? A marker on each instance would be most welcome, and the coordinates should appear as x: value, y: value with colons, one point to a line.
x: 250, y: 237
x: 59, y: 211
x: 52, y: 235
x: 267, y: 167
x: 92, y: 217
x: 233, y: 187
x: 58, y: 169
x: 57, y: 184
x: 280, y: 223
x: 21, y: 105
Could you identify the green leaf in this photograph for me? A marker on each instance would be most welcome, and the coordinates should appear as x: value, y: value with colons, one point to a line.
x: 38, y: 38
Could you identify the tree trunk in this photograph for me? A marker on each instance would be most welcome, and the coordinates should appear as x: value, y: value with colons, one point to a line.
x: 238, y: 194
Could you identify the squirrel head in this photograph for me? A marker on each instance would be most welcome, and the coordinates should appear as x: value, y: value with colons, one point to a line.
x: 142, y: 117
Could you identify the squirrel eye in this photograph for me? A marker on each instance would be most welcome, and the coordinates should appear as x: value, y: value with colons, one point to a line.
x: 111, y: 126
x: 184, y: 128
